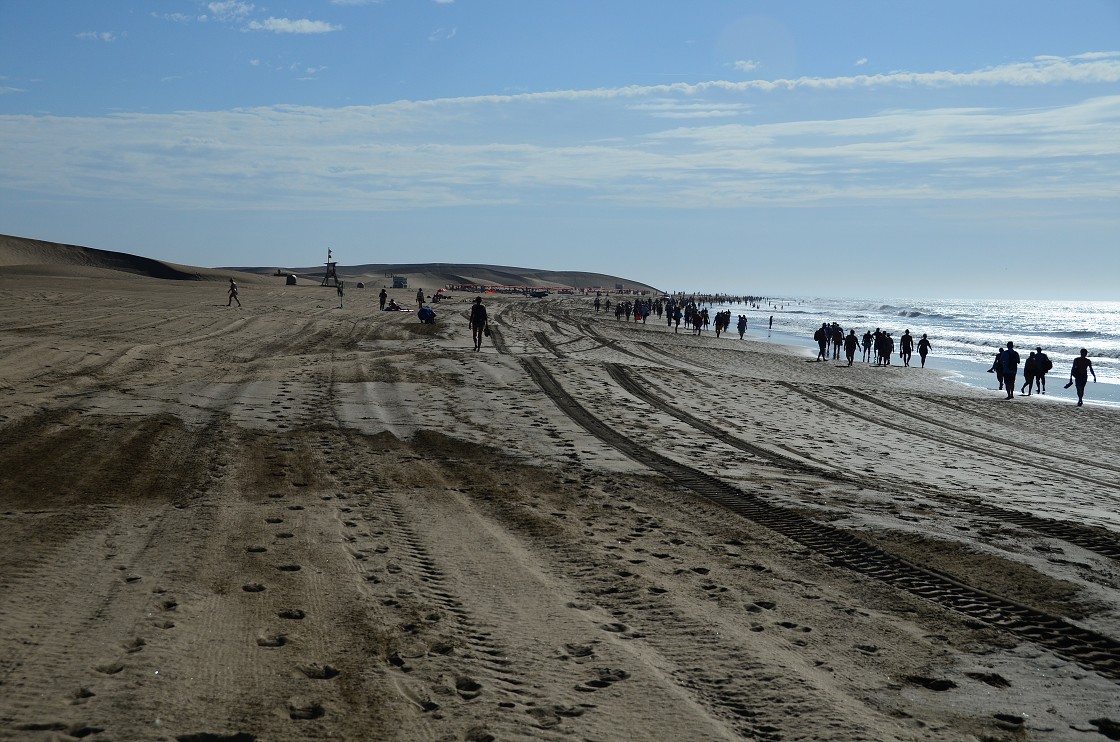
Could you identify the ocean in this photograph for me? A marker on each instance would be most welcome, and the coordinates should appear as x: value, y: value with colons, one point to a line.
x: 965, y: 335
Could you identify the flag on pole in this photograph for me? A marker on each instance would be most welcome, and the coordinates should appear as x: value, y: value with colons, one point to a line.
x: 328, y: 255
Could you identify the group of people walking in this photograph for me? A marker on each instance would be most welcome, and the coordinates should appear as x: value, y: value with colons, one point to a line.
x: 878, y: 347
x: 1038, y: 364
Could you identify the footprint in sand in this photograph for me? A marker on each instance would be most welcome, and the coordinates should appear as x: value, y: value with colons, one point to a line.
x: 271, y: 640
x: 607, y: 677
x: 289, y: 567
x: 253, y: 587
x: 292, y: 614
x: 467, y: 687
x: 317, y: 671
x: 300, y: 709
x: 578, y: 650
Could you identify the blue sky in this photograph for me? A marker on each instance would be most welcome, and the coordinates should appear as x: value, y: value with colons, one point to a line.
x: 879, y: 149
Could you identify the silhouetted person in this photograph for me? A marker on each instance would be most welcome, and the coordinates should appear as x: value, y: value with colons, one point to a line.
x: 997, y: 367
x: 1079, y: 374
x: 1042, y: 366
x: 821, y: 336
x: 381, y: 299
x: 478, y: 322
x: 1010, y: 361
x: 232, y: 292
x: 924, y: 347
x: 851, y: 344
x: 1028, y: 374
x: 906, y: 347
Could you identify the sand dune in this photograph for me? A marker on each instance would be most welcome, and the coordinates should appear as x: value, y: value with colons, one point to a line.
x: 299, y: 521
x: 22, y: 256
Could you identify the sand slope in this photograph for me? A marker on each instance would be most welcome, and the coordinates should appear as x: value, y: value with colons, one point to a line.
x: 23, y: 256
x: 436, y: 275
x: 295, y: 521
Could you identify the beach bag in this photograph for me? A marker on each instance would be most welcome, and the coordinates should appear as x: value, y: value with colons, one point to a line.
x: 486, y: 330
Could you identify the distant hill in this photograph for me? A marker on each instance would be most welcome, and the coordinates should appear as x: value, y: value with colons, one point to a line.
x: 21, y: 255
x: 435, y: 275
x: 37, y: 257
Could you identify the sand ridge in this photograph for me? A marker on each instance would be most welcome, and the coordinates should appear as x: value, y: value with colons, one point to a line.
x: 296, y: 521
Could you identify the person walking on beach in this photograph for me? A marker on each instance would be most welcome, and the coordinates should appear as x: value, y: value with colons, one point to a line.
x: 381, y: 300
x: 906, y: 348
x: 821, y: 336
x: 924, y: 347
x: 851, y: 342
x: 419, y: 298
x: 1010, y: 362
x: 1028, y: 374
x: 997, y: 367
x: 1042, y: 366
x: 478, y: 322
x: 742, y: 325
x: 232, y: 292
x: 1079, y: 374
x: 867, y: 346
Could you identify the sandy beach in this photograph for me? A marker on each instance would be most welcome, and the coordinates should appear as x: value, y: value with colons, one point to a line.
x: 294, y: 521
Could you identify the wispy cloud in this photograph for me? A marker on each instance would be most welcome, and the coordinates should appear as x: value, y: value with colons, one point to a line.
x: 106, y: 36
x: 285, y: 25
x: 861, y: 61
x: 442, y: 34
x: 675, y: 109
x: 8, y: 90
x: 746, y: 65
x: 649, y: 146
x: 232, y: 10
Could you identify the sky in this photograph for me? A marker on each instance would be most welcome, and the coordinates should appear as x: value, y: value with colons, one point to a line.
x: 955, y: 149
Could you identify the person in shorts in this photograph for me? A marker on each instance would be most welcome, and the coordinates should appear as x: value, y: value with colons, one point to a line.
x: 1079, y: 374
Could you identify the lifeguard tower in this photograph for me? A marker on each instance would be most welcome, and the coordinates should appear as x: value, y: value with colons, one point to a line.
x: 330, y: 278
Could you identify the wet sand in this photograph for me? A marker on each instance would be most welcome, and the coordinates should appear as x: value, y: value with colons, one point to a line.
x: 294, y: 521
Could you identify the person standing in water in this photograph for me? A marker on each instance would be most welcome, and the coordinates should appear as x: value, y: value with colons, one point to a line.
x: 924, y: 347
x: 1079, y: 374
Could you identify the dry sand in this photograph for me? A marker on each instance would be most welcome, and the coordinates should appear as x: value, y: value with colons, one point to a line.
x: 294, y: 521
